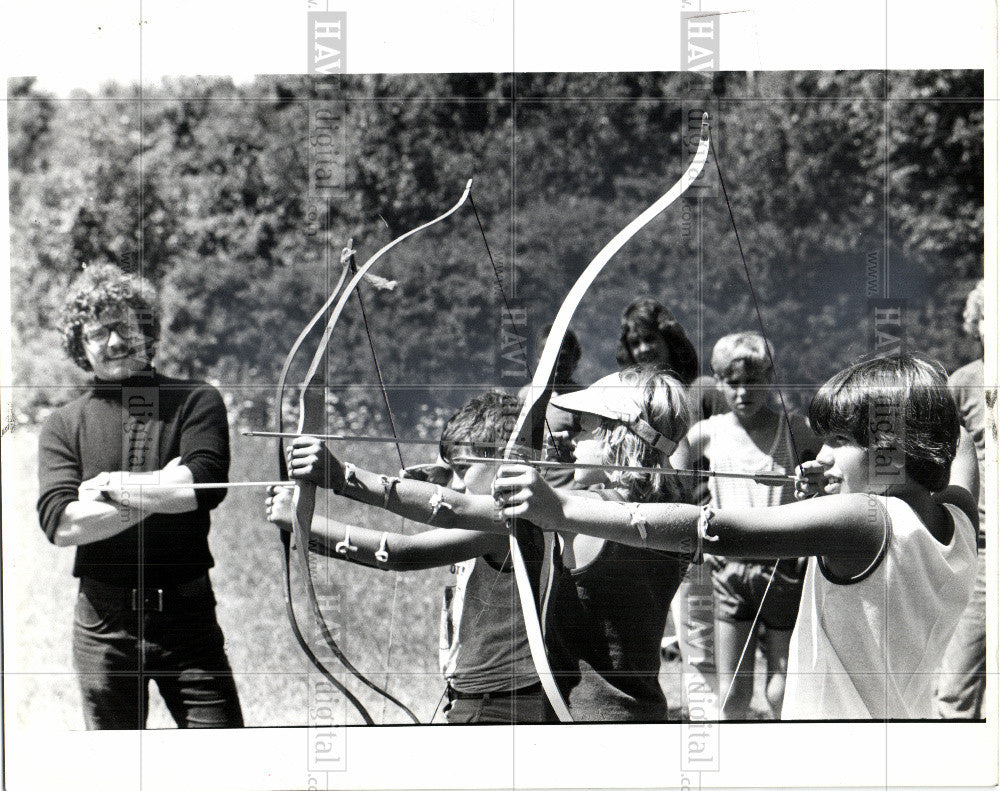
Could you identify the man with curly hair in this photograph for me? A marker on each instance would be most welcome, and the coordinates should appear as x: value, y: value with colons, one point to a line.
x: 145, y: 609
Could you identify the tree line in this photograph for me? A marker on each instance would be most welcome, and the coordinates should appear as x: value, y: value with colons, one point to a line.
x: 844, y: 187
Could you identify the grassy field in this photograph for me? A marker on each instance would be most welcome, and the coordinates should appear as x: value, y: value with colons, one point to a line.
x: 389, y: 622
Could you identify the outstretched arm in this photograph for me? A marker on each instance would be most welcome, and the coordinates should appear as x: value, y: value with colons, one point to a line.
x: 387, y: 550
x: 419, y: 501
x: 850, y: 528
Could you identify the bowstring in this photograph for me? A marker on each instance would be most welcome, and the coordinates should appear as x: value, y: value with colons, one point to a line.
x: 510, y: 313
x: 402, y: 464
x: 756, y: 306
x: 392, y: 424
x: 313, y: 367
x: 784, y: 412
x: 286, y: 538
x: 437, y: 708
x: 378, y: 368
x: 527, y: 366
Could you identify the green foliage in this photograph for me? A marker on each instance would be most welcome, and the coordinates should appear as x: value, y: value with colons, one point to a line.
x: 203, y: 186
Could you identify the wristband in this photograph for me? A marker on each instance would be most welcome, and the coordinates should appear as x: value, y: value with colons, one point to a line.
x: 388, y: 483
x: 637, y: 521
x: 437, y: 502
x: 382, y: 553
x: 704, y: 525
x: 343, y: 547
x: 350, y: 473
x: 350, y: 480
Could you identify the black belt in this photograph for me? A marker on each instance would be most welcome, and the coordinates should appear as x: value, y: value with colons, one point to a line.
x: 156, y: 599
x: 454, y: 694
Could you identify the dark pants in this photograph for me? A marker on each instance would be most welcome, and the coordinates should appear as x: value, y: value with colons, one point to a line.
x: 526, y: 705
x: 117, y: 650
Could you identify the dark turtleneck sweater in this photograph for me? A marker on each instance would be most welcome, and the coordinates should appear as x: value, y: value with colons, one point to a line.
x: 138, y: 424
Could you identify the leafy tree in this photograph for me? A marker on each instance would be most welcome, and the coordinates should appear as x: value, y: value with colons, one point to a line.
x: 203, y: 186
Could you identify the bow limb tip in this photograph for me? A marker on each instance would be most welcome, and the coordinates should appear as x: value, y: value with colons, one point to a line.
x: 348, y: 252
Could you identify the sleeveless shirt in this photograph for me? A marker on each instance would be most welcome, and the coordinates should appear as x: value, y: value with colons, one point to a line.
x: 869, y: 648
x: 603, y: 626
x: 726, y: 454
x: 484, y: 647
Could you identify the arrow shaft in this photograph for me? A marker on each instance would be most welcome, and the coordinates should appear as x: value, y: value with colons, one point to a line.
x: 230, y: 485
x: 770, y: 479
x: 343, y: 437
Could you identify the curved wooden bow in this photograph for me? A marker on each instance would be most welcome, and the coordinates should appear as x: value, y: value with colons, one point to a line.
x: 527, y: 430
x: 312, y: 414
x: 286, y: 537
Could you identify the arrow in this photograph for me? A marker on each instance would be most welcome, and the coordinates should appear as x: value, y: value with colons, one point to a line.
x: 766, y: 478
x: 138, y: 485
x: 344, y: 437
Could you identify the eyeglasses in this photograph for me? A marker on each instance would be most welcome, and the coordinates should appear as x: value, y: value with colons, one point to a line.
x: 101, y: 335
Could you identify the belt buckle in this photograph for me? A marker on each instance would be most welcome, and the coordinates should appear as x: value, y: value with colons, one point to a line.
x: 147, y: 600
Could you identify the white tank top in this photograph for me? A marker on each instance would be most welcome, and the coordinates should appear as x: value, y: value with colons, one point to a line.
x: 870, y: 649
x: 731, y: 450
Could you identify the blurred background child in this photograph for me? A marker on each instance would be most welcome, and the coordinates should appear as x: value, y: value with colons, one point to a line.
x: 750, y: 437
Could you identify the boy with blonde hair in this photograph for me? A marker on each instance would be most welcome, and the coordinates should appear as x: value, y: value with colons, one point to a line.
x: 751, y: 437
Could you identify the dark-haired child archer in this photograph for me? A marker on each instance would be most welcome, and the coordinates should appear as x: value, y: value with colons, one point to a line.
x: 485, y: 656
x: 892, y: 549
x: 606, y: 604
